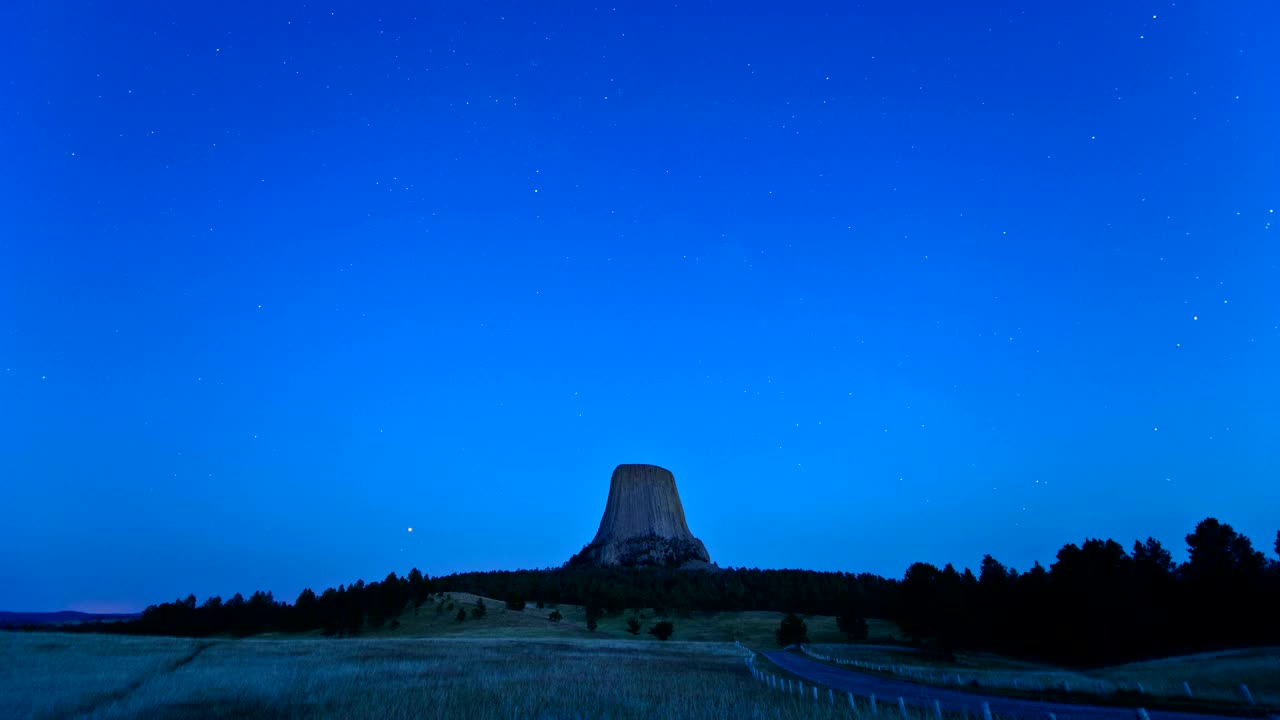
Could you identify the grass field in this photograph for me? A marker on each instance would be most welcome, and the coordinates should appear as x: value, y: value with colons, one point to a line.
x: 754, y: 628
x: 1210, y: 675
x: 520, y: 664
x: 1214, y: 678
x: 47, y: 675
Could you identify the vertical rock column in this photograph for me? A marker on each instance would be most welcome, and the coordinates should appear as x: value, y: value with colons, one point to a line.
x: 644, y: 521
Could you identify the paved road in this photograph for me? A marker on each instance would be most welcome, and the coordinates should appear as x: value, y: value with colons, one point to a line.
x: 887, y: 692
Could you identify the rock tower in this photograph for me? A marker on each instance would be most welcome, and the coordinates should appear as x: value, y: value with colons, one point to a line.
x: 643, y: 524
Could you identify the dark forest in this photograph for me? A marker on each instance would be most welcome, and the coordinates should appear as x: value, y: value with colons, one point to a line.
x: 1097, y: 603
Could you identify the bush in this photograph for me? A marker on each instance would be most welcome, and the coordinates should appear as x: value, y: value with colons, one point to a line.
x: 791, y: 631
x: 853, y: 625
x: 633, y: 625
x: 592, y: 624
x: 462, y: 615
x: 479, y: 610
x: 662, y: 630
x: 515, y: 602
x: 555, y: 616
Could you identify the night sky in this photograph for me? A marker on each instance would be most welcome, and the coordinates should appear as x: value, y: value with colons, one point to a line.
x: 878, y: 283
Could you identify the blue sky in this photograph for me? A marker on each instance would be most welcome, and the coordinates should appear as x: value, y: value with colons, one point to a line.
x: 879, y: 284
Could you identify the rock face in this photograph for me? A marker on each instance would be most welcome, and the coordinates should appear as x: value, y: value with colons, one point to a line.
x: 643, y: 524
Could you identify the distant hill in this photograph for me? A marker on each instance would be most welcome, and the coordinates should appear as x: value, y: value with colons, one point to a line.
x: 60, y: 618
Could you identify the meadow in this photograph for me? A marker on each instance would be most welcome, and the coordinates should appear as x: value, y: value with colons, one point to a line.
x: 510, y: 663
x: 50, y: 675
x: 1214, y: 679
x: 436, y: 618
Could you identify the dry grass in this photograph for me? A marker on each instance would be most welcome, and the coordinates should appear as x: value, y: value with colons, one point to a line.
x: 1210, y: 675
x: 35, y: 668
x: 1214, y: 678
x: 50, y: 675
x: 754, y: 628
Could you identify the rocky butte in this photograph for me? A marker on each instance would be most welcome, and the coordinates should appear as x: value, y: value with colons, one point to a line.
x: 643, y: 524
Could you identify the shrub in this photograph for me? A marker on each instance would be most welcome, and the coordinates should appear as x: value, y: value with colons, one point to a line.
x: 592, y: 624
x: 853, y: 625
x: 479, y: 610
x: 462, y: 615
x: 791, y: 631
x: 662, y: 630
x: 515, y: 602
x: 555, y: 616
x: 633, y: 625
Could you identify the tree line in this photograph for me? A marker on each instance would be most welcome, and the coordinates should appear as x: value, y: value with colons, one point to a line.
x: 342, y: 611
x: 1097, y: 603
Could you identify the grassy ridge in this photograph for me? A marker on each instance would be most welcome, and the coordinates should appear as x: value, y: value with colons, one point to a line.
x: 754, y: 628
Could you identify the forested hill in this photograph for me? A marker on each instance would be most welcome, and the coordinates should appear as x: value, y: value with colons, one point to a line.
x: 62, y: 617
x: 1097, y: 603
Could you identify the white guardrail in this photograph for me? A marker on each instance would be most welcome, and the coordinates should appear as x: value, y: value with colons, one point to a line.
x: 1038, y: 684
x: 797, y: 688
